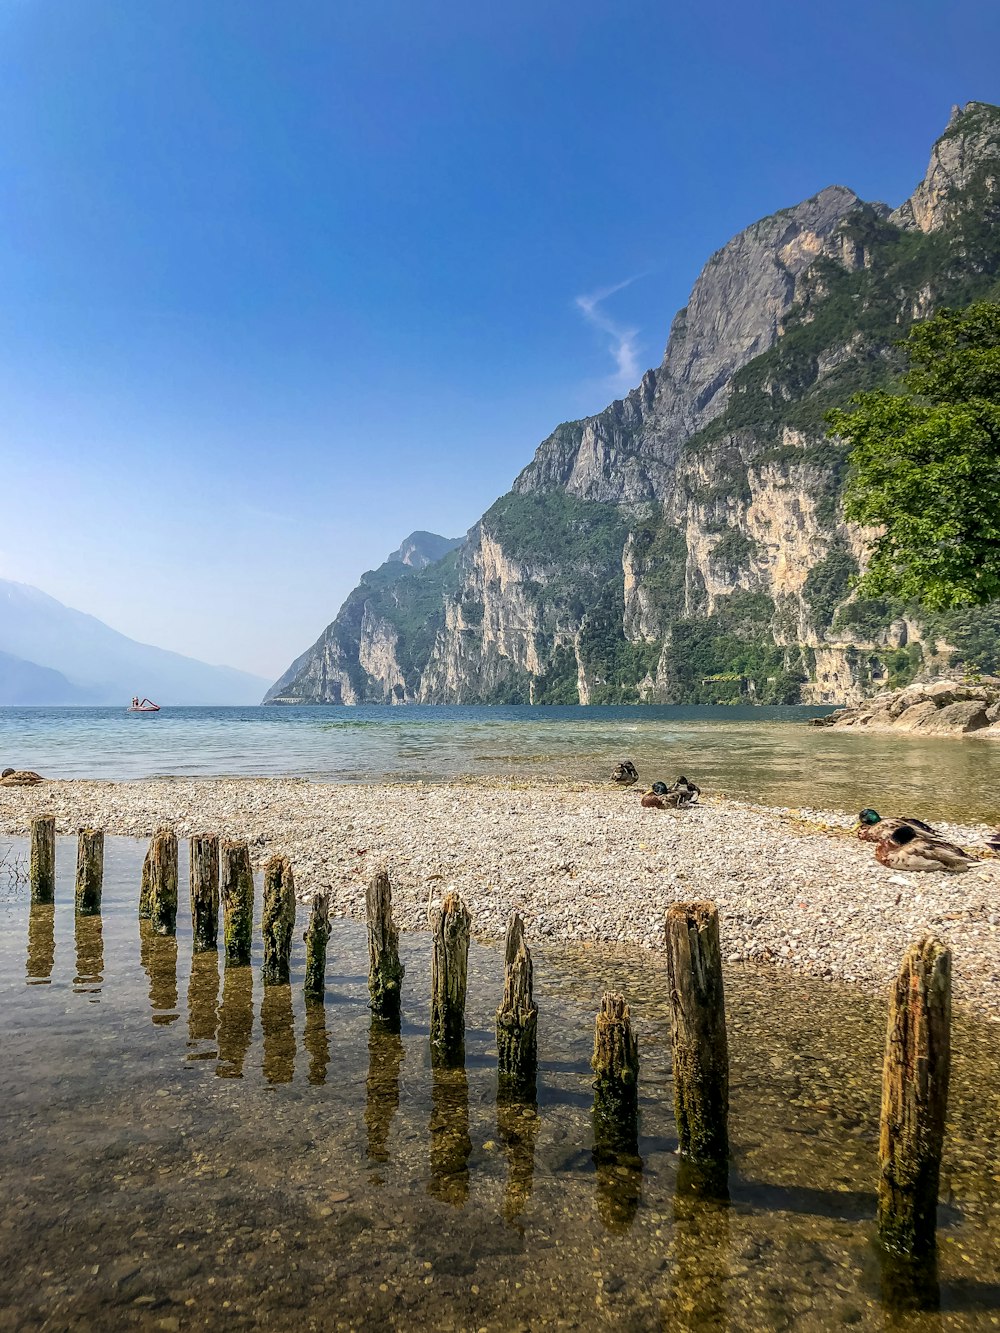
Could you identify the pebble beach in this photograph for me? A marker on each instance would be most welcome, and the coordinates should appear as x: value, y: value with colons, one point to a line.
x: 584, y: 864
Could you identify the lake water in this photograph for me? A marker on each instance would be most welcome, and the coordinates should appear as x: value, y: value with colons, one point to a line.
x: 182, y: 1148
x: 769, y: 755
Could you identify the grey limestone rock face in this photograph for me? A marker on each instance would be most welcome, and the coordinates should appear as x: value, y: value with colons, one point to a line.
x: 970, y: 139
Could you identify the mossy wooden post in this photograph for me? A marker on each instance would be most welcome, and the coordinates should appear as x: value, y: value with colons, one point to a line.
x: 318, y: 931
x: 385, y: 971
x: 517, y: 1016
x: 89, y: 871
x: 42, y: 869
x: 616, y: 1106
x: 915, y: 1098
x: 204, y: 881
x: 698, y: 1031
x: 161, y: 882
x: 450, y: 925
x: 236, y: 892
x: 278, y: 922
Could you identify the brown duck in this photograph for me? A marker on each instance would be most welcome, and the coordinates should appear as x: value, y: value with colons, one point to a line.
x: 19, y: 777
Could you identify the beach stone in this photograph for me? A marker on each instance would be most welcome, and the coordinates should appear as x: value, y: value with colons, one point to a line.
x: 954, y: 718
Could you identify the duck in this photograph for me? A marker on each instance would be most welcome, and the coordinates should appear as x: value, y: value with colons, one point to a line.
x: 873, y: 828
x: 625, y: 774
x: 19, y: 777
x: 906, y: 848
x: 660, y: 797
x: 688, y: 792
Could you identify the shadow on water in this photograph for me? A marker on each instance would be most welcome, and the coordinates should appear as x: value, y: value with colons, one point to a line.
x: 291, y: 1186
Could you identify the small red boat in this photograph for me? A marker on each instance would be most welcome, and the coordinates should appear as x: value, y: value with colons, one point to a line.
x: 142, y: 706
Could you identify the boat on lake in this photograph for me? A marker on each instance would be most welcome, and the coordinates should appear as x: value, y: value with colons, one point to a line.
x: 142, y: 706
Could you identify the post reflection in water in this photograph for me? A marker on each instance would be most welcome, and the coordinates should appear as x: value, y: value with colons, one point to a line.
x: 617, y: 1160
x: 451, y: 1146
x: 517, y: 1129
x: 279, y: 1034
x: 158, y: 955
x: 235, y: 1021
x: 89, y: 932
x: 316, y: 1040
x: 385, y: 1056
x: 203, y: 1002
x: 41, y: 944
x: 700, y: 1269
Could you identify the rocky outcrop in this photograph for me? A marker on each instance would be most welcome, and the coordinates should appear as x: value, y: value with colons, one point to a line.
x: 687, y: 543
x: 932, y: 708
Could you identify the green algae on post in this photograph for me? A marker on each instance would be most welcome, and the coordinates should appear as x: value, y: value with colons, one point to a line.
x: 450, y: 925
x: 385, y: 971
x: 236, y: 892
x: 278, y: 922
x: 89, y: 871
x: 42, y: 868
x: 160, y: 876
x: 517, y: 1015
x: 318, y: 931
x: 915, y: 1078
x: 618, y: 1165
x: 698, y: 1034
x: 204, y: 882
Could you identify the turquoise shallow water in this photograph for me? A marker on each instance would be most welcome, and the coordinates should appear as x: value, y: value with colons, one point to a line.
x: 759, y: 754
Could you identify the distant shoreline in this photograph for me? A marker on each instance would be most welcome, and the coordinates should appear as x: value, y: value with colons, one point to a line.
x: 583, y: 863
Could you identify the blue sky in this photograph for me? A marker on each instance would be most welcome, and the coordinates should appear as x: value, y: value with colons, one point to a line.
x: 281, y: 283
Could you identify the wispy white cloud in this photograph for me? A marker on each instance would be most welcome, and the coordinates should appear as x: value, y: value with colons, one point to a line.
x: 622, y: 345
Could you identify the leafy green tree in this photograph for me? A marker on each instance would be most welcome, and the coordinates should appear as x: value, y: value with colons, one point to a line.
x: 925, y: 465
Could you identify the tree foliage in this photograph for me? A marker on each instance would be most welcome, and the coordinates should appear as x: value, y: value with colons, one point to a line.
x: 925, y: 466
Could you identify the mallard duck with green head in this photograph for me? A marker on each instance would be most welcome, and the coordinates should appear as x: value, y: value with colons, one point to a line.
x: 873, y: 828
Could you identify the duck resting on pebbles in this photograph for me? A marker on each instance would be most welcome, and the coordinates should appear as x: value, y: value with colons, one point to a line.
x: 906, y: 848
x: 675, y: 797
x: 625, y: 774
x: 19, y: 777
x: 687, y: 792
x: 873, y: 828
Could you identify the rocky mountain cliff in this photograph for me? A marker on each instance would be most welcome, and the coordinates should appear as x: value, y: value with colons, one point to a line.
x: 687, y: 543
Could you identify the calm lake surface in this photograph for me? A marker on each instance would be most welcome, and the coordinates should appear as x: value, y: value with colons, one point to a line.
x: 182, y: 1148
x: 760, y: 754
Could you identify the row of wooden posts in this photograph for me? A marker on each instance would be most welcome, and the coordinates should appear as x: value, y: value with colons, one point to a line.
x: 917, y: 1052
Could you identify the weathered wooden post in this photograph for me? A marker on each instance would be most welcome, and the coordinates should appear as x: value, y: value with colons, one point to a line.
x: 616, y: 1105
x: 160, y: 880
x: 915, y: 1098
x: 278, y: 922
x: 385, y: 971
x: 318, y: 931
x: 89, y: 871
x: 517, y: 1016
x: 42, y: 867
x: 236, y: 892
x: 204, y: 882
x: 450, y: 925
x: 698, y: 1031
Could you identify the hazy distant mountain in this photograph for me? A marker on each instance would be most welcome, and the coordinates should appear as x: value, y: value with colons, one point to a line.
x: 27, y: 683
x: 51, y: 654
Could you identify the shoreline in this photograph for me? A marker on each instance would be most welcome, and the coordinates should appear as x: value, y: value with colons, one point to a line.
x: 583, y: 863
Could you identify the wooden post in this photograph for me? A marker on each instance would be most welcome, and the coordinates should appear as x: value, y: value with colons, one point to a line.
x: 204, y: 882
x: 517, y: 1016
x: 615, y: 1060
x: 278, y: 923
x: 160, y: 882
x: 616, y: 1103
x: 915, y: 1098
x: 450, y: 926
x: 385, y: 971
x: 42, y: 872
x: 236, y: 892
x: 698, y: 1030
x: 89, y: 871
x: 318, y: 931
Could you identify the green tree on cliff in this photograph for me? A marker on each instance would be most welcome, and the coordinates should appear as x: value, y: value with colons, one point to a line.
x: 925, y: 465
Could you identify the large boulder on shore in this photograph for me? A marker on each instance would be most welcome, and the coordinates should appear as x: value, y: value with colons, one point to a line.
x: 931, y: 708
